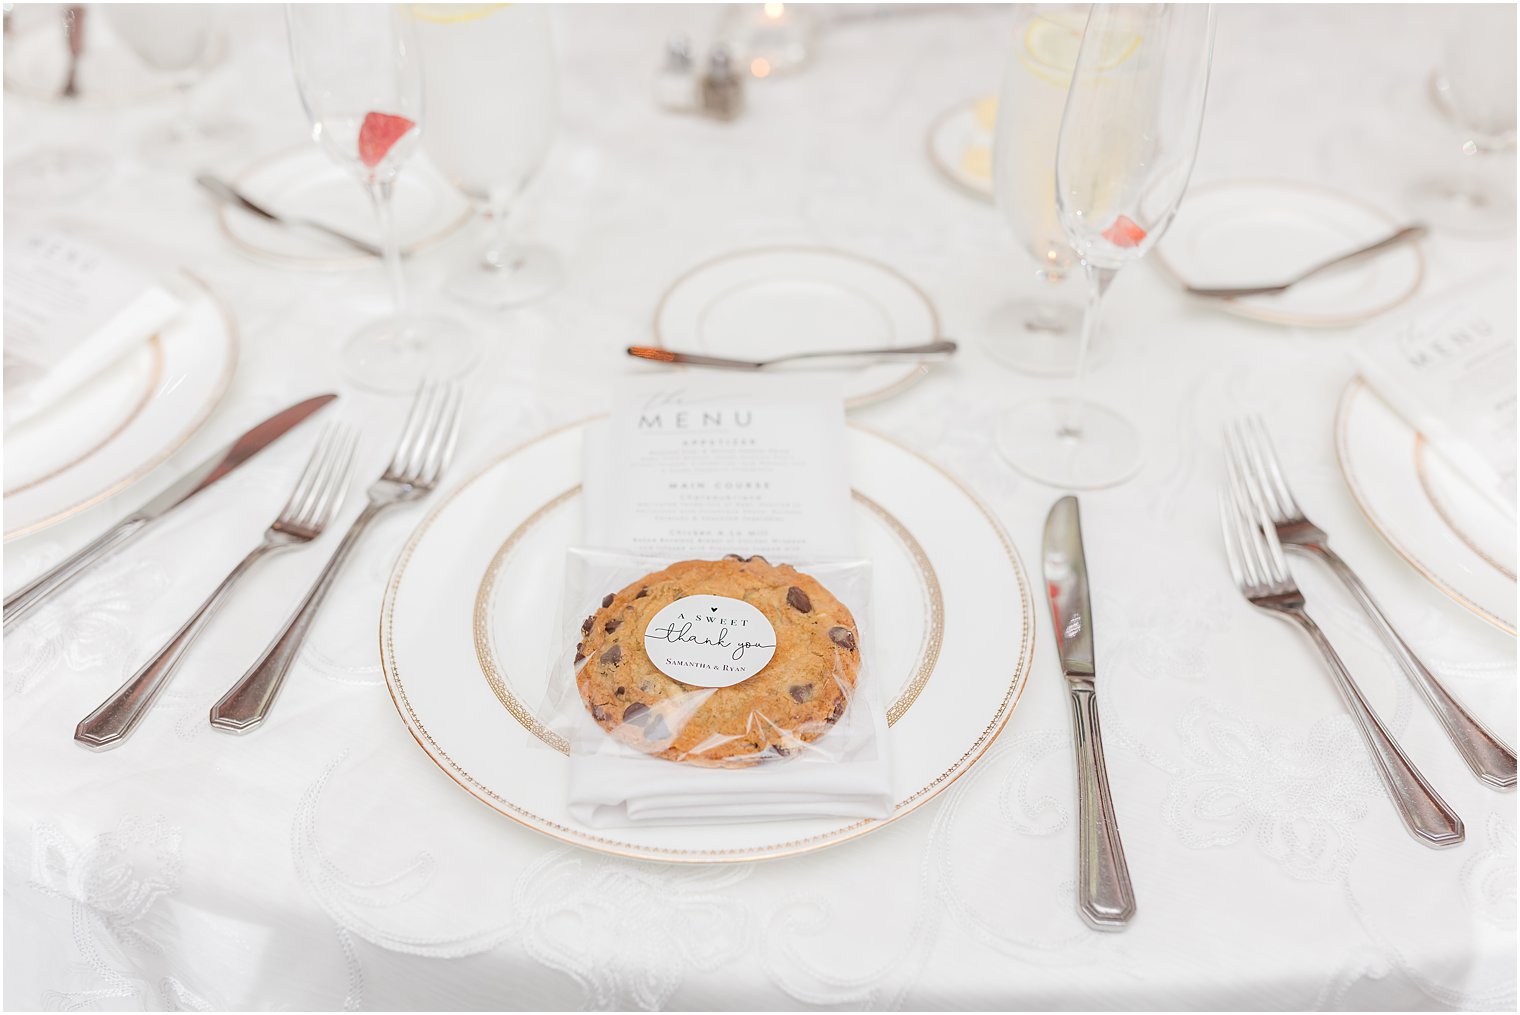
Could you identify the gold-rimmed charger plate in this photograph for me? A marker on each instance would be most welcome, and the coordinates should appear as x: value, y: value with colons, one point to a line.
x: 1415, y: 501
x: 118, y: 426
x: 302, y: 183
x: 765, y: 302
x: 467, y: 630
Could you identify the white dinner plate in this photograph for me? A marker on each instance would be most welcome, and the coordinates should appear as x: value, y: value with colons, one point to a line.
x: 960, y: 145
x: 771, y: 301
x: 466, y: 635
x: 1244, y: 232
x: 1450, y: 533
x: 302, y: 183
x: 116, y: 427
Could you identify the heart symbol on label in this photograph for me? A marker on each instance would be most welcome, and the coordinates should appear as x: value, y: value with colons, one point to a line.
x: 715, y: 609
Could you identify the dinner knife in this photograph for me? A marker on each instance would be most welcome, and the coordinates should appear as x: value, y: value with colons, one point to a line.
x: 1104, y: 893
x: 29, y: 596
x: 230, y: 195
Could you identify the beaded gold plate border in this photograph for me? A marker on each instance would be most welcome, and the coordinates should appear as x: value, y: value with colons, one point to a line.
x: 1364, y: 504
x: 501, y: 686
x: 396, y: 685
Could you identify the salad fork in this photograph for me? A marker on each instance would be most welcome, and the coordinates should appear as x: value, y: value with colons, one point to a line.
x: 1250, y: 450
x: 422, y: 453
x: 1261, y: 571
x: 316, y: 498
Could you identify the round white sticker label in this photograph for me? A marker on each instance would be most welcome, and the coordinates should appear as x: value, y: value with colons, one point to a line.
x: 710, y: 641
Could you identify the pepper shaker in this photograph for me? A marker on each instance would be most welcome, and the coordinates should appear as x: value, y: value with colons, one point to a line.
x: 722, y: 89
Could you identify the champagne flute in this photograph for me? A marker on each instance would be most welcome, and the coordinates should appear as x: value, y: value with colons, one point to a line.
x: 493, y: 96
x: 1128, y: 140
x: 360, y: 80
x: 1036, y: 334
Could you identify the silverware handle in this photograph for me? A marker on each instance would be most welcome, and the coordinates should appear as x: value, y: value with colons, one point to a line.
x: 118, y: 715
x: 927, y: 349
x: 247, y: 703
x: 1491, y: 759
x: 1105, y: 895
x: 1392, y: 240
x: 37, y: 591
x: 1429, y: 818
x: 362, y: 246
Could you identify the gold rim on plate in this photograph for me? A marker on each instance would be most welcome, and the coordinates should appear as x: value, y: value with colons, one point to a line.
x: 1421, y: 453
x: 1359, y: 495
x: 155, y: 372
x: 218, y: 392
x: 579, y: 837
x: 920, y: 369
x: 322, y: 263
x: 495, y: 673
x: 1256, y: 312
x: 967, y: 107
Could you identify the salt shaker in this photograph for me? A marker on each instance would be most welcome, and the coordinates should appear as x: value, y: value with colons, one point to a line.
x: 676, y: 86
x: 722, y: 89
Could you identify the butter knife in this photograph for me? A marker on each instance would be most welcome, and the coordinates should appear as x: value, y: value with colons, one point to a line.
x: 657, y: 355
x: 28, y: 597
x: 1105, y: 896
x: 230, y: 195
x: 1408, y: 234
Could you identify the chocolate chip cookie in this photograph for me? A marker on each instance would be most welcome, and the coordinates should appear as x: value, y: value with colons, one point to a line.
x: 796, y: 698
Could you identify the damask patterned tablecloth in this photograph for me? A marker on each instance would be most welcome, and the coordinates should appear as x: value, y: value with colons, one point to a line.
x: 323, y: 862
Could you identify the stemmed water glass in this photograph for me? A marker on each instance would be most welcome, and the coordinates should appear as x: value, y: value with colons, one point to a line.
x: 360, y: 78
x: 1475, y: 91
x: 493, y: 96
x: 179, y: 40
x: 1036, y: 334
x: 1128, y: 140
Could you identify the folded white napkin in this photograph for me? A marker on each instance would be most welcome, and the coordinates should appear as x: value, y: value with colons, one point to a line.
x: 72, y: 310
x: 1448, y: 368
x: 609, y: 789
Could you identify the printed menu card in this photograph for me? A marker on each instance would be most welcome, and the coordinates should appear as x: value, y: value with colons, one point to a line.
x: 752, y: 465
x: 71, y: 310
x: 1449, y: 369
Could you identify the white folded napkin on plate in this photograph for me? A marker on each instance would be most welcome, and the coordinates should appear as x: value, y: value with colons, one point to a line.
x: 1448, y: 368
x: 72, y: 310
x: 613, y: 789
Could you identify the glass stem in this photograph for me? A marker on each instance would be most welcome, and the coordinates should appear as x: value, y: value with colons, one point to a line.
x: 497, y: 213
x: 1098, y: 280
x: 380, y: 192
x: 183, y: 127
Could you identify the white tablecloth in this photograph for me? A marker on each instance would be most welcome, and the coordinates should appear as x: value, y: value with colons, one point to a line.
x: 323, y: 862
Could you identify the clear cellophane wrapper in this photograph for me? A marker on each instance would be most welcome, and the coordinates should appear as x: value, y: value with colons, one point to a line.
x: 803, y: 735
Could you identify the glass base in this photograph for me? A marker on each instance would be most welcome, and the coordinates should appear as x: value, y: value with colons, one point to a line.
x: 1069, y: 443
x: 193, y: 142
x: 1040, y: 337
x: 1476, y: 206
x: 525, y: 274
x: 54, y: 175
x: 394, y: 354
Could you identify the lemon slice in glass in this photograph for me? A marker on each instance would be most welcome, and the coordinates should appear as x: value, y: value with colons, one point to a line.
x: 453, y: 14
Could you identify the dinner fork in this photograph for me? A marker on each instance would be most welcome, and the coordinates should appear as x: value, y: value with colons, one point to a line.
x: 1250, y: 448
x: 422, y: 453
x: 1261, y: 571
x: 316, y: 498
